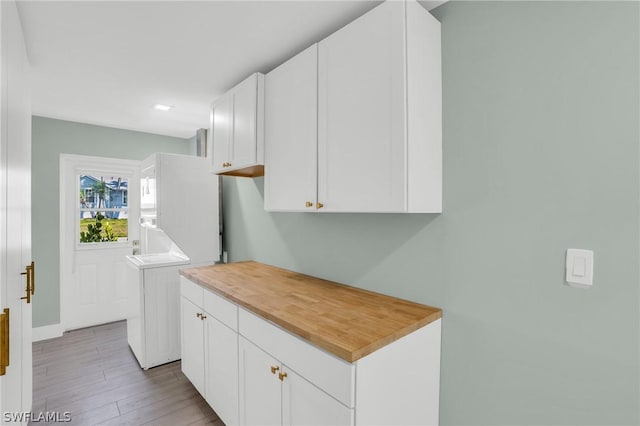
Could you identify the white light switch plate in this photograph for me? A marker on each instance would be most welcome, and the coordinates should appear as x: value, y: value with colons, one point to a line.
x: 579, y: 268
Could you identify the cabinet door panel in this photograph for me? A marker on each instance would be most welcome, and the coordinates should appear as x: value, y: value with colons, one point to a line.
x: 222, y: 370
x: 192, y: 345
x: 243, y: 146
x: 291, y: 108
x: 305, y: 404
x: 328, y: 372
x: 361, y: 115
x: 222, y: 129
x: 260, y: 390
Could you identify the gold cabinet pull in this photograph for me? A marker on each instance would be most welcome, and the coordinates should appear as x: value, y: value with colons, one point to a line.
x: 319, y: 205
x: 27, y: 272
x: 32, y: 269
x: 274, y: 369
x: 226, y: 164
x: 308, y: 204
x: 4, y: 341
x: 282, y: 376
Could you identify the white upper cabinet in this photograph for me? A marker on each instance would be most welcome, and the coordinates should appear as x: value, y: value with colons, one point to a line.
x: 237, y: 129
x: 221, y: 131
x: 361, y: 123
x: 357, y: 126
x: 291, y: 108
x: 379, y: 113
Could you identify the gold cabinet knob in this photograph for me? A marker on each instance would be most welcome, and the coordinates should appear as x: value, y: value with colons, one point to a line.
x: 203, y: 317
x: 198, y: 315
x: 319, y: 205
x: 282, y: 376
x: 274, y: 369
x: 308, y: 204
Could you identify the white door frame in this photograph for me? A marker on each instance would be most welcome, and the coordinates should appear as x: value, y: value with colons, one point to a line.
x: 72, y: 165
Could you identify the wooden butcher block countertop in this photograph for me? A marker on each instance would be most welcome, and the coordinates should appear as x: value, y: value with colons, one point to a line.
x: 346, y: 321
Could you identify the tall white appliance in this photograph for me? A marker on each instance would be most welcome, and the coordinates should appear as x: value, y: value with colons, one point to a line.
x: 179, y: 194
x: 179, y: 225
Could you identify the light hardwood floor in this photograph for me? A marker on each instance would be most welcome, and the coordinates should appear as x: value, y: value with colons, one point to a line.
x: 92, y: 374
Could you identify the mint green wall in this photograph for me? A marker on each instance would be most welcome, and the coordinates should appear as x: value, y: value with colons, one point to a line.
x: 50, y: 138
x: 191, y: 143
x: 541, y: 153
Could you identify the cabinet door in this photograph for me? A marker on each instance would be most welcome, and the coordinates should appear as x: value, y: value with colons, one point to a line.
x: 221, y: 131
x: 361, y: 114
x: 243, y: 148
x: 291, y: 108
x: 192, y: 344
x: 222, y: 370
x: 305, y: 404
x: 260, y: 389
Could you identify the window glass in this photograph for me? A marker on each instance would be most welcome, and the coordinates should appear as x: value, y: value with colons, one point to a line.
x: 103, y: 209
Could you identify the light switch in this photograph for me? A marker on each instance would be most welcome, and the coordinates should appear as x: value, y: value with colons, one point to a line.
x: 579, y: 267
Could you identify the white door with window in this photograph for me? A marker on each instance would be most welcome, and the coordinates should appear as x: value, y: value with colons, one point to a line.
x: 98, y: 228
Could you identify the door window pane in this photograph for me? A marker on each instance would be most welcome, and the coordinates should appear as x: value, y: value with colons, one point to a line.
x: 103, y: 209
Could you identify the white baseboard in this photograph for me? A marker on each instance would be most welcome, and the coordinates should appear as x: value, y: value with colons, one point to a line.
x: 46, y: 332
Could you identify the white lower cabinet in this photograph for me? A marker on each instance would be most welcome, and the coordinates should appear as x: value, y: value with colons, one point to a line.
x: 221, y: 369
x: 305, y: 404
x: 273, y: 394
x: 192, y: 344
x: 253, y: 372
x: 210, y: 348
x: 260, y: 389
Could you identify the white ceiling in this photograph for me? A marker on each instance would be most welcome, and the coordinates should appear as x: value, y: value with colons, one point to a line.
x: 109, y: 62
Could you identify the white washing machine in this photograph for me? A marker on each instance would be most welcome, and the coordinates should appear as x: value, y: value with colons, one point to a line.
x: 153, y: 318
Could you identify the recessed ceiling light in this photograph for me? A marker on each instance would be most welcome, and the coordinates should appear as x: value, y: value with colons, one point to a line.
x: 162, y: 107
